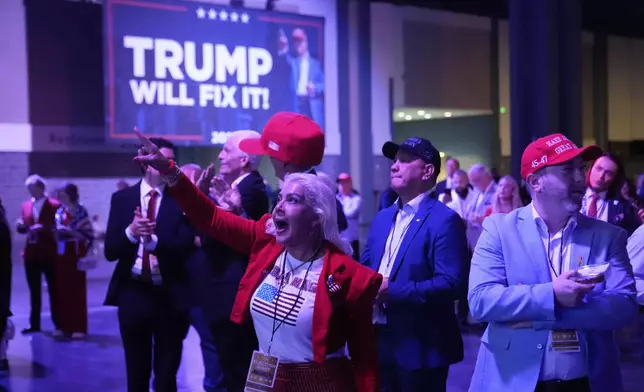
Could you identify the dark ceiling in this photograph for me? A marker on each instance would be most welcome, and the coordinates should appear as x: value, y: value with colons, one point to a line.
x: 615, y: 17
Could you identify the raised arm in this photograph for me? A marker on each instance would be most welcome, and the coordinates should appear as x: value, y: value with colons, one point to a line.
x: 229, y: 229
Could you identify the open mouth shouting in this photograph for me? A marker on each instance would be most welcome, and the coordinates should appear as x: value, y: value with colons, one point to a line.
x: 281, y: 224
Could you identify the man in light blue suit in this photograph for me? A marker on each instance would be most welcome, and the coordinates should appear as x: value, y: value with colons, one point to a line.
x: 418, y: 244
x: 550, y: 329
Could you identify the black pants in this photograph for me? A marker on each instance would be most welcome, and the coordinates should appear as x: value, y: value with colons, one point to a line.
x: 152, y: 332
x: 578, y: 385
x: 235, y: 344
x: 34, y: 272
x: 394, y: 378
x: 462, y: 311
x: 3, y: 324
x: 356, y: 249
x: 304, y: 106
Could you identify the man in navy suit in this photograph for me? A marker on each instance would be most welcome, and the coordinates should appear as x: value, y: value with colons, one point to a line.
x: 419, y: 246
x: 149, y: 236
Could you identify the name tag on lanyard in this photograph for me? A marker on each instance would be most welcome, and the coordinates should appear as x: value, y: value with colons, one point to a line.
x: 262, y: 373
x: 565, y: 341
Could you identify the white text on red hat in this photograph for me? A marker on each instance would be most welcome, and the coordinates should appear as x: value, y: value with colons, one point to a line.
x: 539, y: 162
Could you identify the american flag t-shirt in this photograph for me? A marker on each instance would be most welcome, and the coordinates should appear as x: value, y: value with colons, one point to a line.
x: 293, y: 337
x: 284, y: 307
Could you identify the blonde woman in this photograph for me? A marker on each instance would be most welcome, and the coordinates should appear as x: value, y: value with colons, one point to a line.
x: 506, y: 198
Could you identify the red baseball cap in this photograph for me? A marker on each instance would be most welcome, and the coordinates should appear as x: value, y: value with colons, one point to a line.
x: 553, y: 150
x: 290, y: 138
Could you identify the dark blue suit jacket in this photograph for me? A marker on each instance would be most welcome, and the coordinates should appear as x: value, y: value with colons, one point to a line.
x: 429, y: 273
x: 175, y: 246
x: 623, y: 214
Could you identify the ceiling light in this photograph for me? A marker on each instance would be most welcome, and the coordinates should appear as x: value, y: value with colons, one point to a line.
x: 428, y: 116
x: 421, y: 112
x: 408, y: 117
x: 401, y: 114
x: 442, y: 154
x: 448, y: 114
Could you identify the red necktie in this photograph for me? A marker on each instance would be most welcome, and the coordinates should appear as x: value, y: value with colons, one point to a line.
x: 146, y: 271
x: 592, y: 207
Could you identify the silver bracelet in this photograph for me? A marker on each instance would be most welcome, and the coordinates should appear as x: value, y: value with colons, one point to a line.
x: 173, y: 177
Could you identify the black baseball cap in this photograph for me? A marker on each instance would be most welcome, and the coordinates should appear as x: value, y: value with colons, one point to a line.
x: 417, y: 146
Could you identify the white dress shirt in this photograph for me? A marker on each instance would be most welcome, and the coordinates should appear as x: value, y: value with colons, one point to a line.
x: 238, y: 180
x: 560, y: 365
x: 36, y: 208
x: 404, y: 217
x: 635, y: 249
x: 351, y: 208
x: 303, y: 81
x: 602, y: 205
x: 149, y: 243
x: 461, y: 206
x: 448, y: 182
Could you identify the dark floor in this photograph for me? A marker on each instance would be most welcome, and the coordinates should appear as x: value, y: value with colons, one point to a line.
x: 41, y: 363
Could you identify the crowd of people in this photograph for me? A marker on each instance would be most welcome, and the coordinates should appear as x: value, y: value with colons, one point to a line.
x: 284, y: 298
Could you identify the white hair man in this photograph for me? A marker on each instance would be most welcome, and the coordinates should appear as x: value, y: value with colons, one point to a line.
x: 551, y: 325
x: 38, y: 222
x: 484, y: 187
x: 239, y: 170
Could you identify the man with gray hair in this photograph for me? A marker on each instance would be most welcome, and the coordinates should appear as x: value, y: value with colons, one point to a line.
x: 484, y: 186
x: 38, y: 222
x: 239, y: 170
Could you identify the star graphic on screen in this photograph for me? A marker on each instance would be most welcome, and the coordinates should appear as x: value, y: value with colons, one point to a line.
x: 234, y: 17
x: 245, y: 18
x: 223, y: 15
x: 201, y: 13
x: 212, y: 14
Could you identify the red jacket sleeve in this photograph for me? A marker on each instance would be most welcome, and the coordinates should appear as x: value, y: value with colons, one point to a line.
x: 361, y: 339
x: 227, y: 228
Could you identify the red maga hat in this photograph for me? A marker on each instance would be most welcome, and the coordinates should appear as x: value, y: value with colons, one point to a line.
x: 290, y: 138
x: 553, y: 150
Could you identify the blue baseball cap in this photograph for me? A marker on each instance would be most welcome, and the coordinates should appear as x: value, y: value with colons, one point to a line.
x: 416, y: 146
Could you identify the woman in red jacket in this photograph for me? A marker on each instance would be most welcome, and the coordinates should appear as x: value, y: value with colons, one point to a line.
x: 307, y: 298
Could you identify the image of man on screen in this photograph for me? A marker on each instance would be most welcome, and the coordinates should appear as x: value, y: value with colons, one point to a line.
x: 306, y: 76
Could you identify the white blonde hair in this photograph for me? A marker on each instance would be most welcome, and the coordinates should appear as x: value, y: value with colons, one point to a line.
x: 236, y: 138
x: 319, y: 194
x: 516, y: 197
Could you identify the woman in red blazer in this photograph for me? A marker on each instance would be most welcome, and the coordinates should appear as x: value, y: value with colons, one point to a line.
x: 307, y: 298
